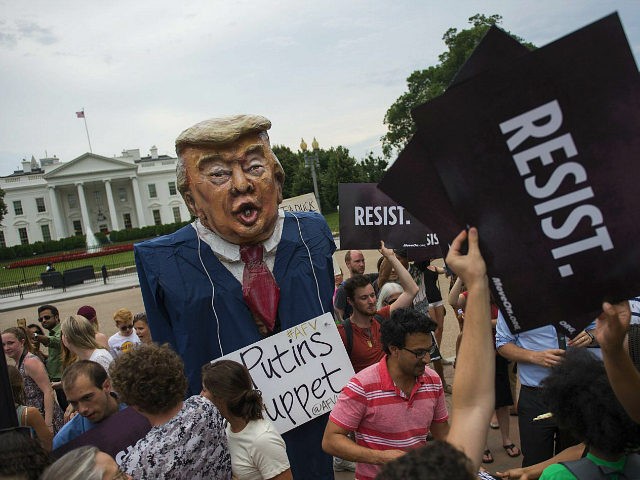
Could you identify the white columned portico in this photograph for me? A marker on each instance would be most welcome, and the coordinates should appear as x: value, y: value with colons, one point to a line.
x: 138, y: 201
x: 112, y: 206
x: 60, y: 231
x: 83, y: 207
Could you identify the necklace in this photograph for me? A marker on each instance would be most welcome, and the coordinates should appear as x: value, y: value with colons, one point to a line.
x: 367, y: 332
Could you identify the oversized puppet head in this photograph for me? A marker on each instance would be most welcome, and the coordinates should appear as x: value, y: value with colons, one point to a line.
x: 230, y: 178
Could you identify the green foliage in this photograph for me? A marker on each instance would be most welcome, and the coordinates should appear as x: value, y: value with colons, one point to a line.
x: 333, y: 220
x: 77, y: 242
x: 424, y: 85
x: 335, y: 166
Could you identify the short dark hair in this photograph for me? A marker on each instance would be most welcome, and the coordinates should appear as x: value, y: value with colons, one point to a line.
x: 93, y: 370
x: 585, y: 404
x: 231, y: 382
x: 403, y: 322
x: 149, y: 377
x: 37, y: 327
x: 353, y: 283
x: 53, y: 309
x: 442, y: 460
x: 22, y: 456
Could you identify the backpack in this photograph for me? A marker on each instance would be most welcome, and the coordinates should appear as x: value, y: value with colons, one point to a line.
x: 585, y: 469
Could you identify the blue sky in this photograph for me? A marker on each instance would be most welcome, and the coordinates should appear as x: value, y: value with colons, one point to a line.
x: 146, y: 70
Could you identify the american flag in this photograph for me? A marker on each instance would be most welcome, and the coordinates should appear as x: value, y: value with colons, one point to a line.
x: 80, y: 114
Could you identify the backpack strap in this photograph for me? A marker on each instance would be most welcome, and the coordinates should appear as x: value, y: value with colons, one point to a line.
x: 348, y: 332
x: 585, y: 469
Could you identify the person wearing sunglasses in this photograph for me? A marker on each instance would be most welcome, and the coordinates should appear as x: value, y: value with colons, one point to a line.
x: 393, y: 404
x: 49, y: 317
x: 125, y: 338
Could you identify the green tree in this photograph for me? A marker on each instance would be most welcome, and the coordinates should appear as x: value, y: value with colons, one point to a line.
x: 424, y: 85
x: 292, y: 163
x: 3, y: 206
x: 372, y: 168
x: 340, y: 168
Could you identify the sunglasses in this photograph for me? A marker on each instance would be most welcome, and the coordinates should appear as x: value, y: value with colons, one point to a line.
x: 124, y: 328
x: 44, y: 317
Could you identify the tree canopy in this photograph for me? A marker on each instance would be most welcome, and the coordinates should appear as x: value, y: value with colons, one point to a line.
x: 424, y: 85
x: 335, y: 165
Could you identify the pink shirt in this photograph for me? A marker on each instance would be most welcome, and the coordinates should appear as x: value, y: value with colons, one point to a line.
x: 382, y: 417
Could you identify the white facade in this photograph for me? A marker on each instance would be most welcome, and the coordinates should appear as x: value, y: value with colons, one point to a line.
x: 49, y: 200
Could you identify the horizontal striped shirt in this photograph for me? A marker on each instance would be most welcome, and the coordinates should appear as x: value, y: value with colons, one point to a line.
x: 384, y: 418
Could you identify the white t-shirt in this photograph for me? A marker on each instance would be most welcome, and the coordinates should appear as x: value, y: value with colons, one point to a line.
x: 257, y: 452
x: 118, y: 344
x: 103, y: 357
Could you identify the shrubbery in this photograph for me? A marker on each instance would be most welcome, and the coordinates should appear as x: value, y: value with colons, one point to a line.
x: 77, y: 242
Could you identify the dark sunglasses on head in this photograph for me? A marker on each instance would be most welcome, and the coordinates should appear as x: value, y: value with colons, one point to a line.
x: 44, y: 317
x: 124, y: 328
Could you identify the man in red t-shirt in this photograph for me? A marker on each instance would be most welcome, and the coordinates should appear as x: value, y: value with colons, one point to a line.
x: 366, y: 346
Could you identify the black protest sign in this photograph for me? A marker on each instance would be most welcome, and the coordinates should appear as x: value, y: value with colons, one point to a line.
x: 367, y: 216
x: 540, y: 154
x: 427, y: 199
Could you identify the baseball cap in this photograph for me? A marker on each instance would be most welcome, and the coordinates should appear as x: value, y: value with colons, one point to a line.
x: 87, y: 312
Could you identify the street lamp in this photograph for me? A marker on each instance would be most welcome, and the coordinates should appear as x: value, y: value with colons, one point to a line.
x: 311, y: 160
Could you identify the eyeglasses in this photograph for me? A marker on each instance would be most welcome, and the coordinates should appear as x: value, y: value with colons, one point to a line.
x: 124, y: 328
x: 420, y: 354
x: 44, y: 317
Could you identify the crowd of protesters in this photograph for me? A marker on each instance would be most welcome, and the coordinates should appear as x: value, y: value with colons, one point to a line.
x: 134, y: 392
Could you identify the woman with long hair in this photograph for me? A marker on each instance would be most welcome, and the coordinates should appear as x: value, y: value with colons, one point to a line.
x: 37, y: 387
x: 78, y: 338
x: 257, y: 449
x: 28, y: 416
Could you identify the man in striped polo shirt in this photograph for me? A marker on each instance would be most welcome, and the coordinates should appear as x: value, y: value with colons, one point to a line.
x: 393, y: 404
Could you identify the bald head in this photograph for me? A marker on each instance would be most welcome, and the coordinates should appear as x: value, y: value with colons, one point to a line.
x: 355, y: 262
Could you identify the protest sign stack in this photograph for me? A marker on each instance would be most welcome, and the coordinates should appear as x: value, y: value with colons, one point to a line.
x: 538, y: 149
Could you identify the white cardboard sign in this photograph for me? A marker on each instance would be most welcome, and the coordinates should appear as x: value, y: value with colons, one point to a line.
x: 300, y: 371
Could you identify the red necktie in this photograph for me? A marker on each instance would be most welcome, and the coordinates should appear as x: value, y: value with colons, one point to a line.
x: 259, y: 288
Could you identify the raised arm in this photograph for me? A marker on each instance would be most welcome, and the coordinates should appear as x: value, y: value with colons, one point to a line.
x: 611, y: 328
x: 409, y: 287
x: 473, y: 389
x: 454, y: 294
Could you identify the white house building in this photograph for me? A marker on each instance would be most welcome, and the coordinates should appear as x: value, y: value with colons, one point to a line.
x: 49, y: 199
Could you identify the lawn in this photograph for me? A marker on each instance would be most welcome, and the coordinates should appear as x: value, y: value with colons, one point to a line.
x: 32, y: 274
x: 333, y: 219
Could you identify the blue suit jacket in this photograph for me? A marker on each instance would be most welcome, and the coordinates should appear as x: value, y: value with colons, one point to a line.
x: 177, y: 296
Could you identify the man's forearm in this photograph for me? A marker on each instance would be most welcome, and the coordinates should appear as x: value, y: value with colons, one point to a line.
x: 405, y: 279
x: 341, y: 446
x: 454, y: 293
x: 515, y: 353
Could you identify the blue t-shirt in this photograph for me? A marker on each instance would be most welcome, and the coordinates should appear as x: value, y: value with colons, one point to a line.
x: 74, y: 428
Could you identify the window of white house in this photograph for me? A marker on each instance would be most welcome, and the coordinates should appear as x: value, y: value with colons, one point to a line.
x: 46, y: 233
x: 3, y: 242
x: 122, y: 194
x: 176, y: 214
x: 156, y: 217
x: 72, y: 200
x: 172, y: 188
x: 77, y: 228
x: 152, y: 190
x: 40, y: 205
x: 24, y: 237
x: 17, y: 207
x: 127, y: 220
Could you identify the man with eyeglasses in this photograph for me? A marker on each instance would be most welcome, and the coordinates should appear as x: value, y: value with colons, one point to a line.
x: 365, y: 347
x: 392, y: 405
x: 49, y: 317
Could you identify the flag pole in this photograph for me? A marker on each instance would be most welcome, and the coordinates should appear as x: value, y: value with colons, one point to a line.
x: 81, y: 114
